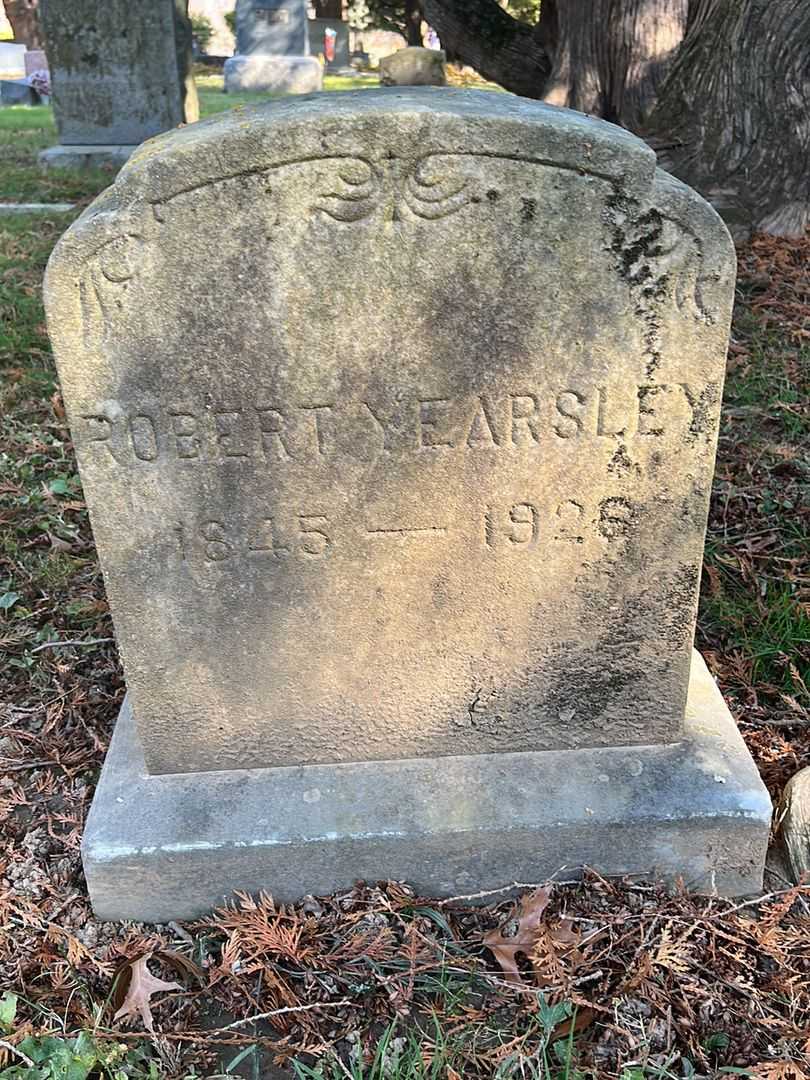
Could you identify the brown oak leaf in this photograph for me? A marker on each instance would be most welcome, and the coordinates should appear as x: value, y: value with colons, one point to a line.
x: 518, y: 934
x: 142, y: 985
x: 553, y: 951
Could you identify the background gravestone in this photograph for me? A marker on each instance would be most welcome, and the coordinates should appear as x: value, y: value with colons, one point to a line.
x: 272, y: 45
x: 400, y: 501
x: 272, y: 28
x: 318, y: 28
x: 120, y: 73
x: 35, y: 60
x: 12, y: 60
x: 414, y: 67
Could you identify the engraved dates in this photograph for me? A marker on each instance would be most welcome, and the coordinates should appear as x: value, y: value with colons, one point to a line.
x: 313, y: 534
x: 304, y: 535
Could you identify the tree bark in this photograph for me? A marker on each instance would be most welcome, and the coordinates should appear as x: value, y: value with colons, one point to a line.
x: 736, y: 106
x: 185, y: 61
x: 413, y: 22
x: 605, y: 57
x: 480, y: 33
x: 24, y: 18
x: 721, y: 88
x: 328, y: 9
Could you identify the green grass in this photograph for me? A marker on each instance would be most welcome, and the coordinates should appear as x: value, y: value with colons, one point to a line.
x: 24, y: 131
x: 427, y: 1051
x: 54, y: 1058
x: 214, y: 100
x: 754, y: 602
x: 49, y: 579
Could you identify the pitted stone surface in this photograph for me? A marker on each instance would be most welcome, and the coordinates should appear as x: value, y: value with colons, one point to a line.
x: 396, y: 416
x: 118, y: 69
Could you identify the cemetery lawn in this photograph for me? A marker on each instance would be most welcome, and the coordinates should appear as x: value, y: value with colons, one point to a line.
x: 644, y: 985
x: 24, y: 131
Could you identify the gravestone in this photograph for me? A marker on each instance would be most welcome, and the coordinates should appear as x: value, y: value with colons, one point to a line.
x: 17, y: 92
x: 318, y: 29
x: 414, y: 67
x: 120, y: 73
x: 12, y: 61
x: 396, y: 417
x: 35, y: 60
x: 272, y: 49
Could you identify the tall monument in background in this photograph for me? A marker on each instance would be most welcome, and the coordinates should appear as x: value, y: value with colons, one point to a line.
x: 121, y: 73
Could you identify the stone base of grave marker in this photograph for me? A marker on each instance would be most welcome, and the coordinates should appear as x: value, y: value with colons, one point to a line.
x: 85, y: 157
x: 17, y: 92
x: 173, y: 846
x: 273, y: 74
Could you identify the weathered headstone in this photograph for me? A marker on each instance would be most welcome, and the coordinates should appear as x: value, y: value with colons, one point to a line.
x: 413, y: 67
x: 272, y: 49
x: 793, y: 817
x: 396, y: 417
x: 119, y: 74
x: 35, y: 60
x: 17, y: 92
x: 12, y: 61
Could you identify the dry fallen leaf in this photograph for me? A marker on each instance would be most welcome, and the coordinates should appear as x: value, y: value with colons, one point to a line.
x: 181, y: 963
x: 553, y: 951
x: 58, y: 544
x: 518, y: 934
x: 778, y: 1070
x: 553, y: 945
x: 142, y: 985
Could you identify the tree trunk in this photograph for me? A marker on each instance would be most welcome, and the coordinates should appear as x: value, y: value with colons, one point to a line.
x: 480, y: 33
x: 605, y: 57
x: 736, y: 106
x: 413, y: 22
x: 328, y: 9
x: 720, y: 87
x: 24, y: 18
x: 185, y: 61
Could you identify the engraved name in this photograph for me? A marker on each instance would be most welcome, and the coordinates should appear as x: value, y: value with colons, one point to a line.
x: 263, y: 429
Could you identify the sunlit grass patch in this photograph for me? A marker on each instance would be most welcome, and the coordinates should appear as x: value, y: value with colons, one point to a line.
x: 213, y: 98
x: 24, y: 132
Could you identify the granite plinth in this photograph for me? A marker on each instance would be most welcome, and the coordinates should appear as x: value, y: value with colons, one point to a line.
x: 273, y: 74
x: 85, y: 157
x: 175, y: 845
